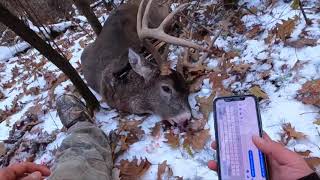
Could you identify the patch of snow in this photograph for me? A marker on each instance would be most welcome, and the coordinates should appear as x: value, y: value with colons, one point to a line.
x: 212, y: 63
x: 59, y: 27
x: 9, y: 52
x: 81, y: 18
x: 51, y: 122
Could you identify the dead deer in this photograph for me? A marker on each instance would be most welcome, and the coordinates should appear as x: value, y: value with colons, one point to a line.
x: 128, y: 82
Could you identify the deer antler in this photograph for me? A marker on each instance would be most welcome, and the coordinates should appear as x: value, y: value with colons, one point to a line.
x: 158, y: 33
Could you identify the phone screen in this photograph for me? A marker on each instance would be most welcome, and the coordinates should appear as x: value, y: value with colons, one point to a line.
x: 236, y: 122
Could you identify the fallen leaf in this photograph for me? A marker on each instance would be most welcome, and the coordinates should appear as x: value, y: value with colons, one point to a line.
x: 254, y: 31
x: 256, y: 90
x: 33, y: 91
x: 217, y: 78
x: 304, y: 153
x: 272, y: 3
x: 156, y: 130
x: 15, y: 72
x: 285, y: 29
x: 82, y: 43
x: 240, y: 70
x: 196, y: 124
x: 50, y: 78
x: 2, y: 96
x: 310, y: 93
x: 317, y: 122
x: 301, y: 43
x: 187, y: 147
x: 9, y: 84
x: 68, y: 55
x: 231, y: 54
x: 291, y: 132
x: 270, y: 37
x: 295, y: 4
x: 198, y: 139
x: 238, y: 24
x: 131, y: 170
x: 172, y: 139
x: 161, y: 169
x: 133, y: 132
x: 36, y: 109
x: 197, y: 84
x: 206, y: 104
x: 298, y: 65
x: 313, y: 162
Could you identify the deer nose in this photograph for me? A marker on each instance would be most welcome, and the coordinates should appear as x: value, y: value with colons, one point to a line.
x: 181, y: 118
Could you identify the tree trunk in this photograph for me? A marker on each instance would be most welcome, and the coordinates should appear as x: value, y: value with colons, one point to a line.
x: 85, y: 9
x: 16, y: 25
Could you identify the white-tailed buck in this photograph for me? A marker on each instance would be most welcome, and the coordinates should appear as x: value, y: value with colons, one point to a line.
x: 128, y: 82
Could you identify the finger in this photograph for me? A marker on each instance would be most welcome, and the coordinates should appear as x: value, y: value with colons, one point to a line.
x: 214, y: 145
x: 266, y: 137
x: 33, y: 176
x: 274, y: 150
x: 213, y: 165
x: 28, y: 167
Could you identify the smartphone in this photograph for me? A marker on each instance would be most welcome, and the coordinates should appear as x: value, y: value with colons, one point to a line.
x: 237, y: 119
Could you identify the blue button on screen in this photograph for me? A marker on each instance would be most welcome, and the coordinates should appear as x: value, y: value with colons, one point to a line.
x: 262, y: 166
x: 252, y: 170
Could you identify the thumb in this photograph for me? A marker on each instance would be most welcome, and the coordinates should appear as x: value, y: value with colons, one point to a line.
x: 273, y: 150
x: 33, y: 176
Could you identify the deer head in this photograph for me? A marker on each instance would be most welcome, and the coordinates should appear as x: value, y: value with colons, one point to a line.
x: 125, y: 79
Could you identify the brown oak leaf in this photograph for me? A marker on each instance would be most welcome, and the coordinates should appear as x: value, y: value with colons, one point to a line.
x: 172, y: 139
x: 310, y: 93
x: 291, y: 132
x: 313, y: 162
x: 197, y: 140
x: 131, y: 170
x: 301, y: 43
x: 206, y: 105
x: 162, y: 168
x: 254, y: 31
x: 256, y: 90
x: 285, y: 29
x: 156, y: 130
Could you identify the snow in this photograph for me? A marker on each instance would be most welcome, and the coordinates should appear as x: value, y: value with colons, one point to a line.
x: 59, y: 27
x: 280, y: 107
x: 9, y: 52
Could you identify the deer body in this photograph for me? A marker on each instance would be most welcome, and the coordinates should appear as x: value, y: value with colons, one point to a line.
x: 126, y: 81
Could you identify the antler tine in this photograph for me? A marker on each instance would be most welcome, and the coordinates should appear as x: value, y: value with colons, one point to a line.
x: 172, y: 40
x: 171, y: 15
x: 158, y: 33
x: 145, y: 18
x: 139, y: 18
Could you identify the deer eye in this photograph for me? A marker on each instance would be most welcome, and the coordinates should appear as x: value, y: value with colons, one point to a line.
x: 166, y: 89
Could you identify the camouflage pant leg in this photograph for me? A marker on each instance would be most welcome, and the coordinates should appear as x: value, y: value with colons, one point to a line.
x: 84, y: 154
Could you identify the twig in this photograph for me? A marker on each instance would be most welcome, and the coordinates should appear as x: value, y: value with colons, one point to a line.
x: 193, y: 21
x: 308, y: 21
x: 309, y: 113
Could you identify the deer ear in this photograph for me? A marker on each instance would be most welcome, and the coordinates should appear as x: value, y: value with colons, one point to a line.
x: 139, y: 65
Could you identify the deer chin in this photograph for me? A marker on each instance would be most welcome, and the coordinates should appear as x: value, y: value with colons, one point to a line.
x: 180, y: 120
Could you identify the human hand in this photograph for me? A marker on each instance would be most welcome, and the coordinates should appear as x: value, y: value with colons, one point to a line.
x: 283, y: 163
x: 24, y: 171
